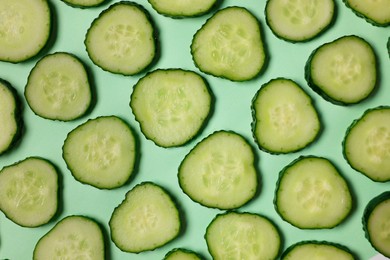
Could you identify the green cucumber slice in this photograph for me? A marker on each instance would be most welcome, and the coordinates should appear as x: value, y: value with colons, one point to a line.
x: 146, y: 219
x: 182, y: 8
x: 101, y: 152
x: 182, y: 254
x: 375, y: 12
x: 84, y: 3
x: 29, y: 191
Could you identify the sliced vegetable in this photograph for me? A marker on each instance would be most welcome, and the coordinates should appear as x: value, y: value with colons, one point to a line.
x: 171, y: 105
x: 376, y: 222
x: 29, y: 191
x: 375, y: 12
x: 84, y: 3
x: 311, y: 194
x: 182, y: 254
x: 234, y: 235
x: 317, y: 250
x: 122, y: 39
x: 146, y: 219
x: 230, y: 45
x: 58, y: 87
x: 182, y: 8
x: 101, y: 152
x: 298, y: 21
x: 73, y: 237
x: 284, y: 117
x: 25, y: 28
x: 219, y: 172
x: 366, y: 144
x: 343, y: 71
x: 11, y: 121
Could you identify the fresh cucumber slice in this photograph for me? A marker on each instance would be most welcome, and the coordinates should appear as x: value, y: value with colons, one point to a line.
x: 122, y: 39
x: 284, y: 117
x: 219, y: 172
x: 375, y: 12
x: 101, y: 152
x: 58, y: 87
x: 230, y: 45
x: 376, y: 222
x: 73, y: 237
x: 366, y: 144
x: 182, y: 254
x: 11, y: 121
x: 182, y: 8
x: 146, y: 219
x: 234, y: 235
x: 171, y: 105
x: 301, y: 20
x: 29, y: 191
x: 25, y: 28
x: 84, y: 3
x: 311, y: 194
x: 343, y: 71
x: 317, y: 250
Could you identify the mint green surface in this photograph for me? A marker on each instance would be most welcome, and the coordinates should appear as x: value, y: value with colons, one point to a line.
x: 44, y: 137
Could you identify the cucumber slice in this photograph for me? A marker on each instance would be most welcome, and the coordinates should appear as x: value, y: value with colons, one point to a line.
x: 171, y: 105
x: 29, y: 191
x: 317, y: 250
x: 73, y: 237
x: 230, y: 45
x: 182, y: 254
x: 234, y: 235
x: 366, y: 144
x: 146, y: 219
x: 284, y: 117
x: 299, y: 21
x: 375, y: 12
x: 58, y: 87
x: 101, y: 152
x: 122, y: 39
x: 25, y: 28
x: 376, y: 223
x: 84, y: 3
x: 11, y: 121
x: 311, y: 194
x: 182, y: 8
x: 343, y: 71
x: 219, y: 172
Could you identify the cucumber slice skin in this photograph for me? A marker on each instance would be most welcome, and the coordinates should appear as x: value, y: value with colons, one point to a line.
x: 232, y: 74
x: 84, y: 3
x: 304, y: 38
x: 145, y: 116
x: 82, y: 99
x: 15, y: 117
x: 379, y: 203
x: 380, y: 158
x: 183, y: 10
x: 154, y: 42
x: 124, y: 237
x: 347, y: 200
x: 331, y: 97
x: 254, y: 226
x: 320, y: 249
x: 182, y: 254
x: 52, y: 192
x: 60, y: 241
x: 45, y: 32
x: 257, y: 121
x: 216, y: 189
x: 99, y: 126
x: 364, y: 15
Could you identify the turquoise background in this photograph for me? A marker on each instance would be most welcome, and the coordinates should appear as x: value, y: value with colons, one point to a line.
x: 44, y: 137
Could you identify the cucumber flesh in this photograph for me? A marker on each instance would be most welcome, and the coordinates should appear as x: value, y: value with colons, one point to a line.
x: 25, y: 28
x: 284, y: 117
x: 300, y: 20
x: 28, y: 192
x: 73, y: 237
x: 311, y: 194
x: 58, y: 87
x: 147, y: 219
x: 101, y: 152
x: 182, y: 254
x: 375, y: 12
x: 171, y: 105
x: 84, y: 3
x: 366, y: 145
x: 230, y: 45
x: 182, y: 8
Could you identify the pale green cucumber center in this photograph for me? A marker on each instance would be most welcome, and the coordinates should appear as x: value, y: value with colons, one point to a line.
x: 379, y: 227
x: 376, y: 10
x: 317, y: 252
